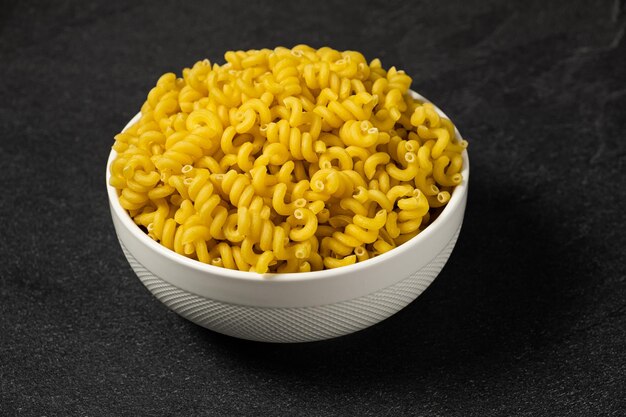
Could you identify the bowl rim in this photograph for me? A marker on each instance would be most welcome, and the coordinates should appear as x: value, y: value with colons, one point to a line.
x: 455, y: 202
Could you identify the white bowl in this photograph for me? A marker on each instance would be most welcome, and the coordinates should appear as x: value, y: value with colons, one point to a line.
x: 295, y: 307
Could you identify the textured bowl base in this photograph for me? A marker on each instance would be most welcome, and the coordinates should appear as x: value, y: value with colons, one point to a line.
x: 297, y: 324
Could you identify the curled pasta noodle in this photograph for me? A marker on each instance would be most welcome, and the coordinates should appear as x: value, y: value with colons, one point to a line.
x: 295, y: 143
x: 370, y: 165
x: 441, y: 176
x: 357, y: 133
x: 404, y: 174
x: 331, y: 263
x: 286, y: 160
x: 278, y: 201
x: 309, y: 220
x: 375, y: 223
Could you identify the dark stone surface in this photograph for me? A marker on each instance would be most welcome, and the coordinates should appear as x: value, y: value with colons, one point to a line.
x: 527, y: 318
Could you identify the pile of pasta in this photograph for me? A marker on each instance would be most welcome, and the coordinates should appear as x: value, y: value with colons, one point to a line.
x: 285, y: 160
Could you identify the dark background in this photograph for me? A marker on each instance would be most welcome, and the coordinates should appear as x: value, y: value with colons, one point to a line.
x: 528, y: 317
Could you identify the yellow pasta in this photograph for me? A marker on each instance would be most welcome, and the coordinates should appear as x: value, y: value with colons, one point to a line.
x: 286, y: 160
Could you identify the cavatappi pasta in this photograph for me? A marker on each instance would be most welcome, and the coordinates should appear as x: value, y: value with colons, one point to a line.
x: 285, y: 160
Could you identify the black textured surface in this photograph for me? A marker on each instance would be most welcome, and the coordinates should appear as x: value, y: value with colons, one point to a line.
x: 527, y: 318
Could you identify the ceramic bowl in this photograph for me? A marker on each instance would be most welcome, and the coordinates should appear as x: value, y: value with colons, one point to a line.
x: 294, y: 307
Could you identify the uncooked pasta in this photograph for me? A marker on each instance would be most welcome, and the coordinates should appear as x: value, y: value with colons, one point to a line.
x: 285, y: 160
